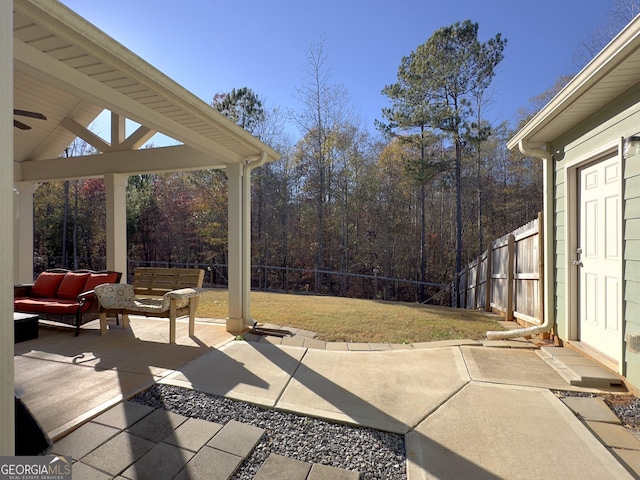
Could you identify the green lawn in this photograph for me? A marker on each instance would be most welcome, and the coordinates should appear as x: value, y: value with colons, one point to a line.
x: 338, y: 319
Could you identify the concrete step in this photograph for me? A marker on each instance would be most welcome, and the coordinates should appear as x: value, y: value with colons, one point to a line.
x: 577, y: 369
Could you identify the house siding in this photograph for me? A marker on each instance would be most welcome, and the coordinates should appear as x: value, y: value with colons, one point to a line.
x: 620, y: 119
x: 632, y: 265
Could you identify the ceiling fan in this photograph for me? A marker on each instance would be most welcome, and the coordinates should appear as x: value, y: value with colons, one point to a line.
x: 26, y: 113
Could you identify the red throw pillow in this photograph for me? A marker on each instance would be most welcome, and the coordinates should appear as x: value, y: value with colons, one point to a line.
x: 46, y: 285
x: 98, y: 279
x: 72, y: 285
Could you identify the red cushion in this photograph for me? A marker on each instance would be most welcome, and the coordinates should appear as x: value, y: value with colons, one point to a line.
x: 46, y: 285
x: 72, y: 284
x: 96, y: 279
x: 47, y: 305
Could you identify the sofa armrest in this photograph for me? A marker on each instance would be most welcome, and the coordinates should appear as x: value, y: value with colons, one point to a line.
x: 84, y: 297
x: 22, y: 290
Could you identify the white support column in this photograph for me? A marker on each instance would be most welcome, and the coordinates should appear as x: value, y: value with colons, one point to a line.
x: 23, y: 260
x: 7, y: 426
x: 116, y: 190
x: 236, y: 321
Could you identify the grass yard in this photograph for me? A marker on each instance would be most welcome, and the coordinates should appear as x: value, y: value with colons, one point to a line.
x: 337, y: 319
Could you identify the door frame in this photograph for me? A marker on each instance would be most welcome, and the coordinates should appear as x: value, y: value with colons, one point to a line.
x: 571, y: 234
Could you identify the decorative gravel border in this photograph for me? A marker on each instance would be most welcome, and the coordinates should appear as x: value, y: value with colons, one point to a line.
x: 375, y: 454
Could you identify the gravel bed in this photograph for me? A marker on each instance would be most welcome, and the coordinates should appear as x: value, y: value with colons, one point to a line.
x: 375, y: 454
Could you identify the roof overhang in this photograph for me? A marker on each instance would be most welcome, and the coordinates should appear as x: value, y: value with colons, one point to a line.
x: 69, y: 70
x: 613, y: 71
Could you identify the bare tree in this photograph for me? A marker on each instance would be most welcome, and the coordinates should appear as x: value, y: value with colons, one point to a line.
x: 619, y: 14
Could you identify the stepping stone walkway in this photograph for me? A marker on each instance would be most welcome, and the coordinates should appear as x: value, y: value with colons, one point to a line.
x: 137, y: 442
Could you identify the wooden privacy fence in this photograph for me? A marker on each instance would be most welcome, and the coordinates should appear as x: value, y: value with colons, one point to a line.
x: 507, y: 278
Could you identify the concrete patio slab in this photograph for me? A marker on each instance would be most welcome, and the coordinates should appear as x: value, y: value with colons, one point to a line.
x: 246, y: 371
x: 388, y: 390
x: 146, y: 337
x: 487, y: 431
x: 63, y: 396
x: 511, y: 366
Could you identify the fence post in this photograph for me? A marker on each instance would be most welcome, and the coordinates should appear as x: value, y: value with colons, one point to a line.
x: 477, y: 288
x: 487, y: 287
x: 510, y: 276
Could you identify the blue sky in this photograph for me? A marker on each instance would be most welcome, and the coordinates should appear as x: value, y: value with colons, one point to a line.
x: 211, y: 46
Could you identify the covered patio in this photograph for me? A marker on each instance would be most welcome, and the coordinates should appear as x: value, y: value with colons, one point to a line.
x: 63, y: 69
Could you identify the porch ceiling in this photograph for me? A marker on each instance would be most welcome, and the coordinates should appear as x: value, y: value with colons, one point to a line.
x: 67, y: 69
x: 613, y: 71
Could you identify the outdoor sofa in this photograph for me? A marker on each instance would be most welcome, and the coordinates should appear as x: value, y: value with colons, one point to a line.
x: 63, y: 296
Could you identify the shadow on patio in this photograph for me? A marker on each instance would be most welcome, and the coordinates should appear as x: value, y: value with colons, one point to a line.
x: 65, y: 380
x: 444, y: 399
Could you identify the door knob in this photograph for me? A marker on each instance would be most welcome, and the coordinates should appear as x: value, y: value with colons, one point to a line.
x: 578, y: 263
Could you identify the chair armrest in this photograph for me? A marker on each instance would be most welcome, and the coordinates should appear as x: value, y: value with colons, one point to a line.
x: 185, y: 293
x: 115, y: 296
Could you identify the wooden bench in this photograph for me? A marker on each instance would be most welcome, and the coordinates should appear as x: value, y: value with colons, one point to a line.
x: 154, y: 292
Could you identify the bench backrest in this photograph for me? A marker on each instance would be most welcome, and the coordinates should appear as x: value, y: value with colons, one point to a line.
x: 158, y: 281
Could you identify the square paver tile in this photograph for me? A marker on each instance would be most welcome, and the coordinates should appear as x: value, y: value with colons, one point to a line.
x: 86, y: 472
x: 614, y: 435
x: 631, y: 459
x: 592, y: 409
x: 162, y: 462
x: 157, y: 425
x: 236, y: 438
x: 277, y: 467
x: 209, y: 464
x: 119, y: 453
x: 123, y: 415
x: 324, y: 472
x: 193, y: 434
x: 83, y: 440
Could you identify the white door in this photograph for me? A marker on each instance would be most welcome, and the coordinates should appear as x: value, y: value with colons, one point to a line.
x: 599, y: 257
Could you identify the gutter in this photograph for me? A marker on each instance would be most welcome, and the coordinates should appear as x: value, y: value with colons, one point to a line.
x: 547, y: 173
x: 246, y: 238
